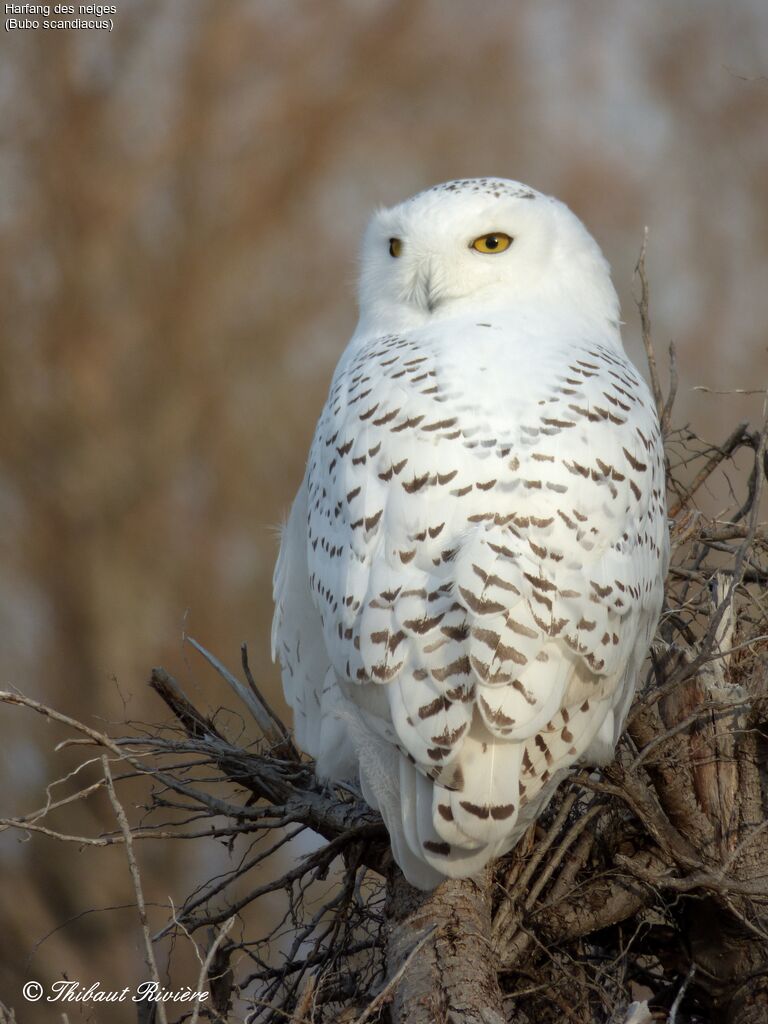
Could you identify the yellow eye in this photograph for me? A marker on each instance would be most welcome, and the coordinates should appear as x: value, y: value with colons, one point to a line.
x: 497, y: 241
x: 395, y: 247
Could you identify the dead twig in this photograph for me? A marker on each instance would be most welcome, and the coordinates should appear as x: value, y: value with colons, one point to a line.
x: 645, y: 324
x: 273, y: 729
x: 7, y: 1016
x: 666, y: 415
x: 125, y: 828
x: 287, y: 748
x: 225, y: 929
x: 681, y: 994
x: 386, y: 993
x: 306, y: 999
x: 729, y: 446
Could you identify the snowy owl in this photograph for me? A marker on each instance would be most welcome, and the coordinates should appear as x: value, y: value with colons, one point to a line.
x: 472, y: 570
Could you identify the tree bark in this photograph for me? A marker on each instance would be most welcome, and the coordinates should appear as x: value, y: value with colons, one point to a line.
x: 453, y: 979
x: 710, y: 779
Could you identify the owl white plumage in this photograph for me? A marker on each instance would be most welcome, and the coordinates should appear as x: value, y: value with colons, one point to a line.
x: 473, y: 567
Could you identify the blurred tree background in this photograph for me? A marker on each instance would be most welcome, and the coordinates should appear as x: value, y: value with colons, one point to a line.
x: 181, y: 203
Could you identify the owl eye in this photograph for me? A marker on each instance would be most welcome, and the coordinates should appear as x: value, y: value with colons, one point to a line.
x: 395, y: 247
x: 497, y: 241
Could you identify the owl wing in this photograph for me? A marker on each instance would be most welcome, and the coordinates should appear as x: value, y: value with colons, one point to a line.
x: 479, y: 550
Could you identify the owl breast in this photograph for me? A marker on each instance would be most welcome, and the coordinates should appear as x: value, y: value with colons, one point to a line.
x: 484, y: 536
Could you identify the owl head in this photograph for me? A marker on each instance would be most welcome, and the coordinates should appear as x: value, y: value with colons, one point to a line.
x: 482, y: 243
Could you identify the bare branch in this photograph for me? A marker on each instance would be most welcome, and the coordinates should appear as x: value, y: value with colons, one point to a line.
x: 386, y: 993
x: 125, y: 828
x: 221, y: 935
x: 731, y: 443
x: 666, y: 415
x: 645, y: 323
x: 273, y: 729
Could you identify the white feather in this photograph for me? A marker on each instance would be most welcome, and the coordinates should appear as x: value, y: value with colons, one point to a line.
x: 473, y: 567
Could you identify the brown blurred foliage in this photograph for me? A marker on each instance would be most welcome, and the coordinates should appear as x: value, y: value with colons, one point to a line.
x: 180, y: 207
